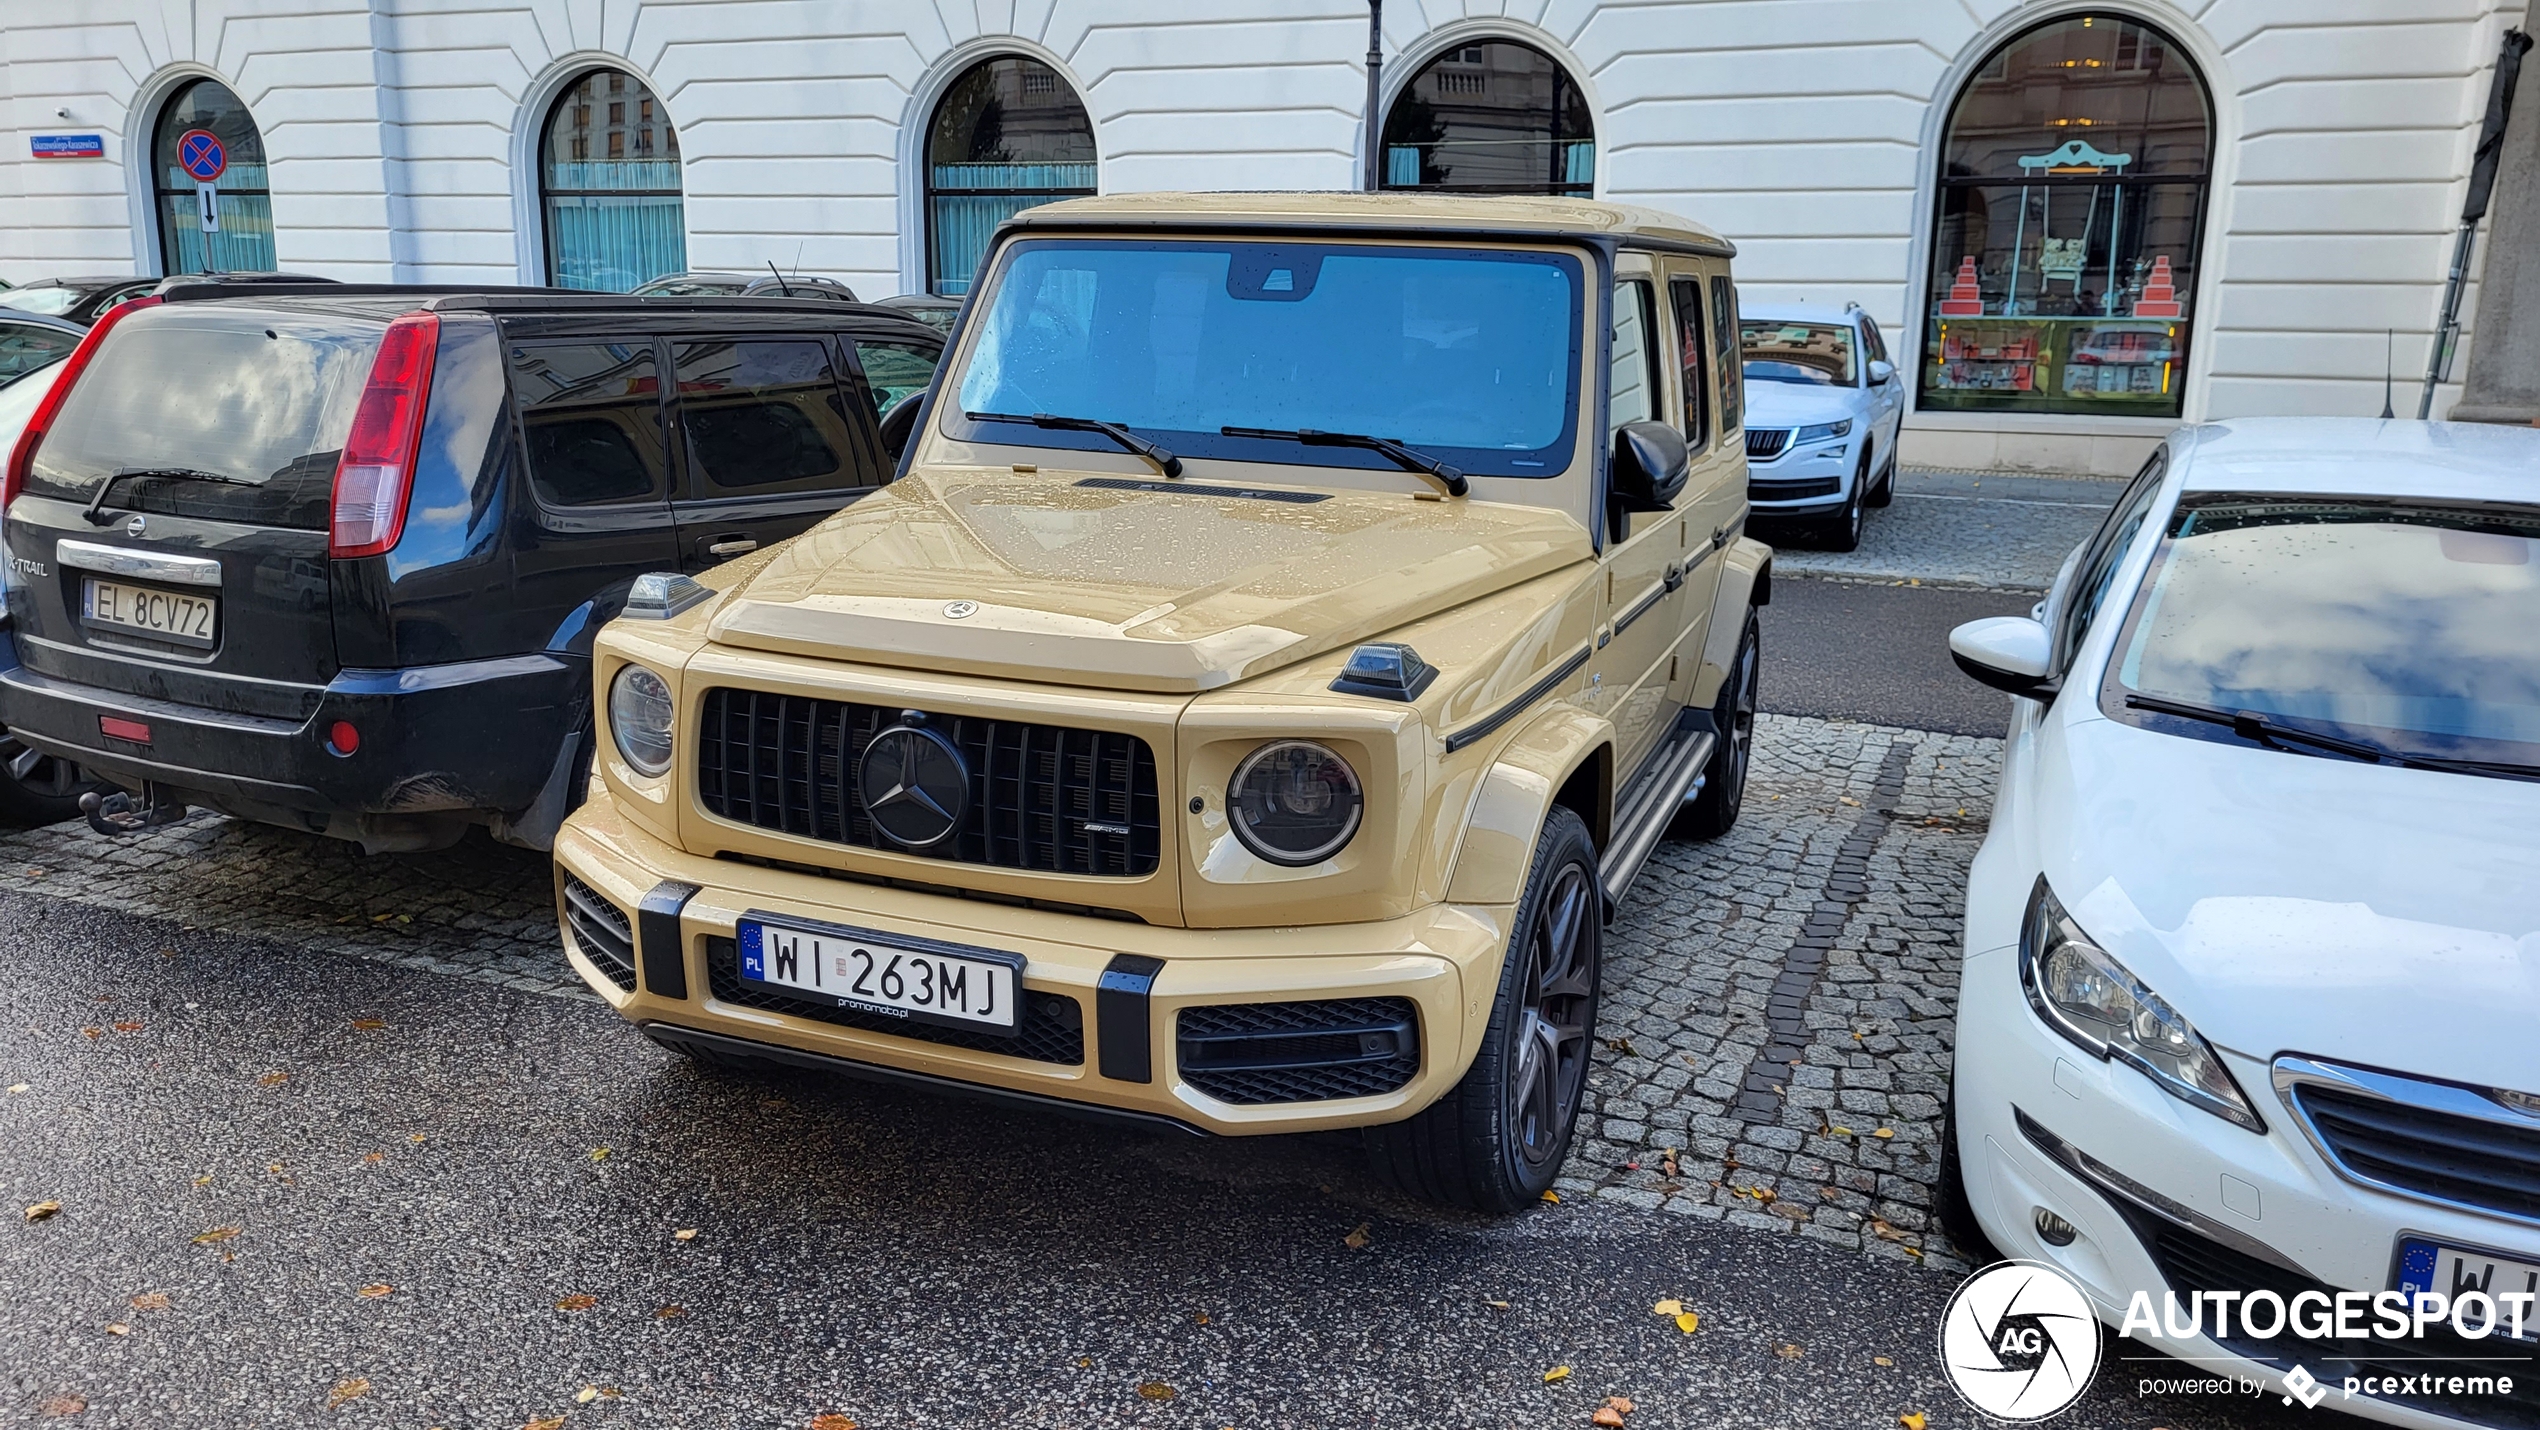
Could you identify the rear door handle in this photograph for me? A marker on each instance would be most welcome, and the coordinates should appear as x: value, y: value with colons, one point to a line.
x: 731, y: 546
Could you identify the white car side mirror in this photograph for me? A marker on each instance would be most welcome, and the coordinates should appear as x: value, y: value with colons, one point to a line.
x: 1881, y: 370
x: 2009, y: 653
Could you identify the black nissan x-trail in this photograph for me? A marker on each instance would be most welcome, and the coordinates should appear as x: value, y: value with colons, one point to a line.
x: 333, y: 558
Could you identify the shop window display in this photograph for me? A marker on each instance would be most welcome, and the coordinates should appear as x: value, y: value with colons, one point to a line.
x: 2071, y: 197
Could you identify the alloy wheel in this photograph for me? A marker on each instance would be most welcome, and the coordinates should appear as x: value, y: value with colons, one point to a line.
x: 1548, y: 1059
x: 1739, y: 726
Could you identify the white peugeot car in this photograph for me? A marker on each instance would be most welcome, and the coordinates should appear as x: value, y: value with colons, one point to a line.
x: 1823, y: 405
x: 2251, y: 995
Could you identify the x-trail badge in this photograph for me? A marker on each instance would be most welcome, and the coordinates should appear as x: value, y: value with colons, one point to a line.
x: 916, y: 785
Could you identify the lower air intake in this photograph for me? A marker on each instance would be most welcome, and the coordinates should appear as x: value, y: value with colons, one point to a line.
x: 602, y: 931
x: 1254, y: 1053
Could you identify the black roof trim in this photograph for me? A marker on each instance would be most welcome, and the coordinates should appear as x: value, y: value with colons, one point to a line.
x: 1467, y: 234
x: 448, y: 298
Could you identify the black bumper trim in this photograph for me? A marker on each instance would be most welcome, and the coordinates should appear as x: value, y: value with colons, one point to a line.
x: 1123, y: 1040
x: 672, y: 1035
x: 658, y: 946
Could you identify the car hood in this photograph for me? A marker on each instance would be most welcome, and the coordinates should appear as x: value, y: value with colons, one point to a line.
x: 1086, y: 579
x: 2287, y: 903
x: 1788, y: 404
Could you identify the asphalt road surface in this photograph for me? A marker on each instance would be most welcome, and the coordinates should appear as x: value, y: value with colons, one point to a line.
x: 1852, y: 650
x: 288, y: 1179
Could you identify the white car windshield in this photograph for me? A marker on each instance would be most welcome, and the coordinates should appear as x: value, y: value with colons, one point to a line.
x: 1469, y: 355
x: 49, y: 301
x: 2411, y: 631
x: 1816, y: 354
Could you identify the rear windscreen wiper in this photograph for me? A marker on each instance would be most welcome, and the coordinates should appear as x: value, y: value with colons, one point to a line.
x: 1165, y: 461
x: 2250, y: 725
x: 96, y: 512
x: 1445, y: 478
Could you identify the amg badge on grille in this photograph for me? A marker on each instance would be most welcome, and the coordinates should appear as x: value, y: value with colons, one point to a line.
x: 916, y: 785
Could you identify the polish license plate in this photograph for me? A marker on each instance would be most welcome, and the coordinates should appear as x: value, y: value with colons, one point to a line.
x: 895, y: 977
x: 2455, y: 1271
x: 160, y: 615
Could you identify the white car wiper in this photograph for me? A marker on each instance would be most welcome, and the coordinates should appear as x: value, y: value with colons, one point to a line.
x: 1164, y: 460
x: 1446, y: 479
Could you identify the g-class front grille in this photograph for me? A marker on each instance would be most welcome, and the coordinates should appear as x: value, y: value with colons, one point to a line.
x: 1253, y: 1053
x: 1053, y: 1028
x: 1042, y: 797
x: 602, y: 930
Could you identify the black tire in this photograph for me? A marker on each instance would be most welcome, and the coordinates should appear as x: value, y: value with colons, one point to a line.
x: 47, y: 792
x: 1885, y: 492
x: 1496, y: 1141
x: 1842, y: 531
x: 1950, y: 1207
x: 1714, y: 811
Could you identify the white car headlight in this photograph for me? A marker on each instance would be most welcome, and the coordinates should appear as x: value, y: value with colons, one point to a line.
x: 639, y: 719
x: 2083, y: 993
x: 1822, y: 432
x: 1294, y: 802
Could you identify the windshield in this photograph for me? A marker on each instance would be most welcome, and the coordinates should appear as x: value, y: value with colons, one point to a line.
x: 2414, y: 629
x: 1813, y: 353
x: 52, y: 300
x: 1470, y: 355
x: 261, y: 397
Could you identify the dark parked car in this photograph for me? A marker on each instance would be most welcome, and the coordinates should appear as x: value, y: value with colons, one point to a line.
x: 29, y: 341
x: 934, y: 312
x: 362, y: 604
x: 79, y: 300
x: 743, y: 285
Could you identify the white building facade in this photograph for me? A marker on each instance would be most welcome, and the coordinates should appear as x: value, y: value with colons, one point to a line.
x: 2077, y: 223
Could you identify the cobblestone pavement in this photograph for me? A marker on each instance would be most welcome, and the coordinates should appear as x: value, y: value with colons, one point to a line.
x: 1980, y: 529
x: 1777, y: 1003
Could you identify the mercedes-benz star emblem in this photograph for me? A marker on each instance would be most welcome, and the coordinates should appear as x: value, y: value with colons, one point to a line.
x: 960, y: 609
x: 915, y: 784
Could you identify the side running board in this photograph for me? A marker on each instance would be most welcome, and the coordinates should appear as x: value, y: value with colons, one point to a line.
x: 1672, y: 776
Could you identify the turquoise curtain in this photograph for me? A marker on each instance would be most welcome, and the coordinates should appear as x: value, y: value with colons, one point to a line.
x: 959, y: 224
x: 611, y: 235
x: 243, y: 245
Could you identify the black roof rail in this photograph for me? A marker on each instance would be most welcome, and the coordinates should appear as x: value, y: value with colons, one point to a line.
x: 493, y: 298
x: 213, y: 288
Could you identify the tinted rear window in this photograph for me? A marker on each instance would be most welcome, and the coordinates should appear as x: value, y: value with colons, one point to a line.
x: 262, y: 400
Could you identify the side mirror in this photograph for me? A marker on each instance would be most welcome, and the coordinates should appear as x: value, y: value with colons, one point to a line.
x: 1651, y: 464
x: 1881, y: 370
x: 2009, y: 653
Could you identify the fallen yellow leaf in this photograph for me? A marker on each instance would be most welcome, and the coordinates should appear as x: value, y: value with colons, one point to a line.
x: 92, y: 1034
x: 1154, y: 1390
x: 1201, y: 1318
x: 1787, y: 1352
x: 1558, y: 1372
x: 1358, y: 1238
x: 374, y: 1156
x: 414, y: 1137
x: 1620, y: 1404
x: 1881, y: 1360
x: 370, y: 1025
x: 43, y: 1210
x: 1607, y: 1417
x: 1669, y: 1307
x: 346, y: 1391
x: 685, y: 1233
x: 65, y: 1405
x: 1550, y: 1195
x: 586, y: 1395
x: 1911, y: 1420
x: 667, y: 1313
x: 375, y: 1290
x: 17, y: 1087
x: 1688, y: 1322
x: 1496, y: 1305
x: 539, y: 1422
x: 117, y: 1328
x: 150, y: 1301
x: 218, y: 1233
x: 599, y: 1154
x: 1884, y: 1132
x: 204, y: 1180
x: 1840, y: 1131
x: 577, y: 1303
x: 127, y: 1027
x: 273, y: 1079
x: 831, y: 1421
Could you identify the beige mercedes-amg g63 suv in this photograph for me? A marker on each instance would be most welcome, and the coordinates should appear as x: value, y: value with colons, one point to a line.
x: 1296, y: 620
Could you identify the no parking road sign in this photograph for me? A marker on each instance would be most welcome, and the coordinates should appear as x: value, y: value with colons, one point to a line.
x: 200, y: 153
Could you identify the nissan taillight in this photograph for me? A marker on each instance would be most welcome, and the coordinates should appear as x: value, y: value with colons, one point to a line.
x: 376, y: 473
x: 22, y: 457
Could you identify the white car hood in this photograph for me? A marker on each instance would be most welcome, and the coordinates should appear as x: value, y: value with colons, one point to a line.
x: 2286, y: 903
x: 1791, y: 404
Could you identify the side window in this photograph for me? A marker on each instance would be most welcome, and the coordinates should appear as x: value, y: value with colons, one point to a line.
x: 1634, y: 394
x: 2098, y: 566
x: 1871, y: 344
x: 895, y: 371
x: 590, y: 415
x: 1724, y: 351
x: 1693, y: 343
x: 763, y: 416
x: 24, y: 348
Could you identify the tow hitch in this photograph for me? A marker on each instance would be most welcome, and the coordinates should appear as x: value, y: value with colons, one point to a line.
x: 116, y: 814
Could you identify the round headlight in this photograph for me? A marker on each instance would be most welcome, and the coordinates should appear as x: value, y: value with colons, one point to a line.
x: 1294, y: 802
x: 639, y: 718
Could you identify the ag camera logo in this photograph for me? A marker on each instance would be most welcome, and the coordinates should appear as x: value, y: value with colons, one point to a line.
x: 2019, y: 1341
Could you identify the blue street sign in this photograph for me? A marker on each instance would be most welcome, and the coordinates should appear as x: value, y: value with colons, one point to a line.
x: 68, y: 146
x: 199, y: 152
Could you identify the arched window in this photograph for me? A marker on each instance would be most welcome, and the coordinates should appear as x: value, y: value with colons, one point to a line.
x: 243, y: 242
x: 1009, y: 135
x: 608, y: 176
x: 2064, y: 245
x: 1495, y: 117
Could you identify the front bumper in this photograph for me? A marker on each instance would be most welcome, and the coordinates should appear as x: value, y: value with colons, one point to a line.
x: 2167, y: 1198
x: 1814, y: 480
x: 673, y: 978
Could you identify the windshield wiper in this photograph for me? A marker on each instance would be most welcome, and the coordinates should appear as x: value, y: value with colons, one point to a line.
x: 1446, y: 479
x: 2249, y: 725
x: 2500, y: 769
x: 1165, y: 461
x: 96, y: 512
